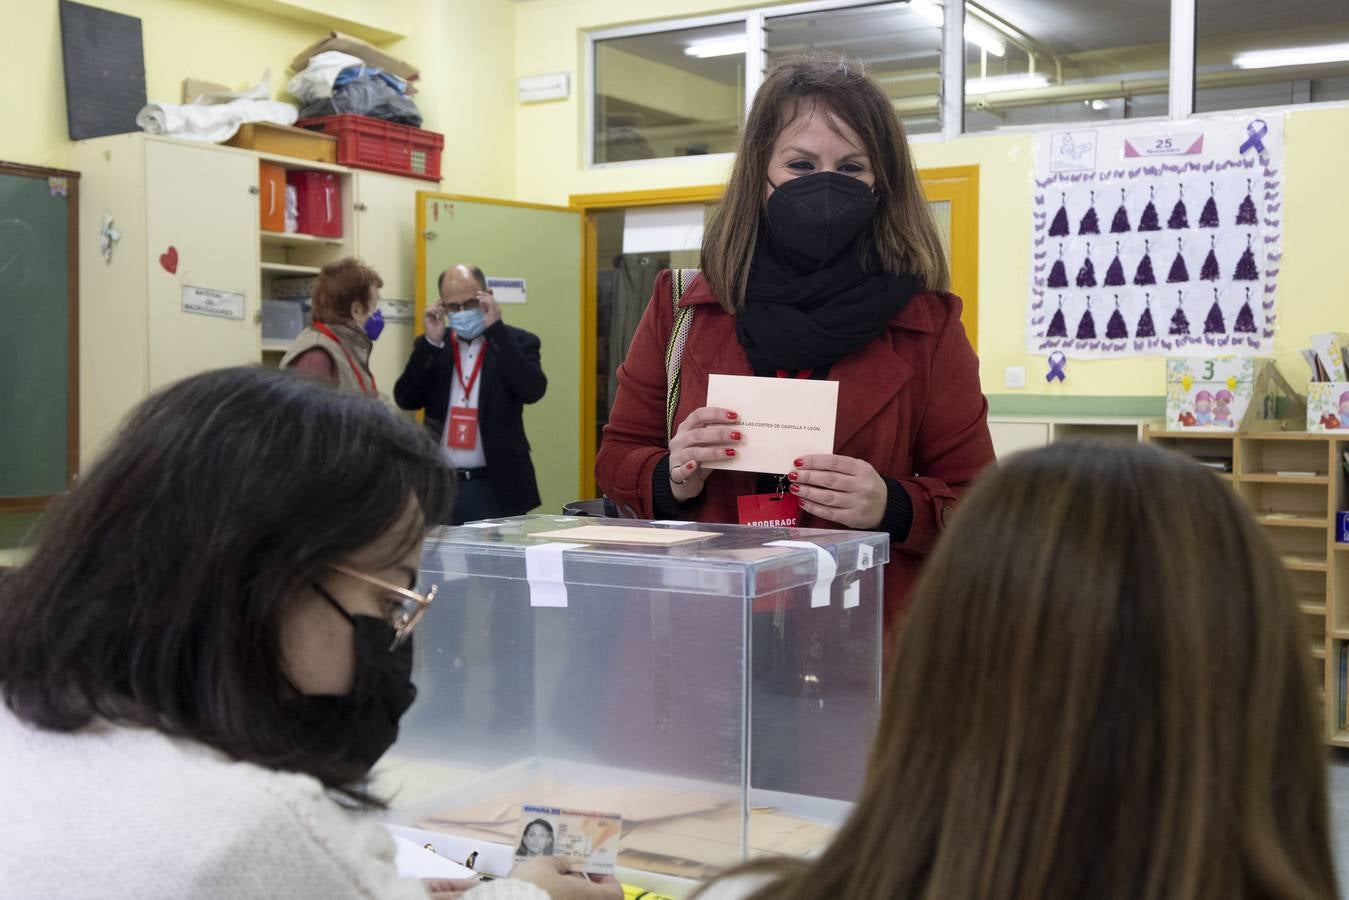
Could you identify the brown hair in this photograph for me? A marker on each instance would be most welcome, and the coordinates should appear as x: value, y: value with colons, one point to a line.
x: 903, y: 236
x: 341, y: 284
x: 1102, y: 690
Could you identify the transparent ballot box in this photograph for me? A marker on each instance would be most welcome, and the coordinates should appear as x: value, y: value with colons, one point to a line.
x: 716, y: 688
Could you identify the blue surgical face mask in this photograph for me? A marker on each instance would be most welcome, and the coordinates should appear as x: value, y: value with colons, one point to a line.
x: 374, y: 325
x: 468, y: 323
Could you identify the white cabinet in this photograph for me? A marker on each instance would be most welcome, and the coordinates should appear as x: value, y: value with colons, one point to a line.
x: 1013, y: 433
x: 188, y: 217
x: 209, y: 231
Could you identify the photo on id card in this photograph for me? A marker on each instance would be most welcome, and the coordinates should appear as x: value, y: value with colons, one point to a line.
x: 588, y: 841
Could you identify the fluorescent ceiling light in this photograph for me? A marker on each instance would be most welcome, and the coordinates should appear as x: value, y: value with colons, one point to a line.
x: 1292, y: 56
x: 730, y: 45
x: 975, y: 32
x: 1025, y: 81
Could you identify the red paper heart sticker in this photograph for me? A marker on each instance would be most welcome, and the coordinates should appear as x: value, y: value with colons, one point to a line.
x: 169, y: 260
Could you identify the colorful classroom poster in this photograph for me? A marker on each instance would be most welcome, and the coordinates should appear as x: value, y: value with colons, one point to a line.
x: 1159, y: 239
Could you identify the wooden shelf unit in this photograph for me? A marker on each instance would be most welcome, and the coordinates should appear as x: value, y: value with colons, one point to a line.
x: 1297, y: 510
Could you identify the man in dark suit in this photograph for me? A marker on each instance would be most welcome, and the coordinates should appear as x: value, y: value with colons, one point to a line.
x: 473, y: 384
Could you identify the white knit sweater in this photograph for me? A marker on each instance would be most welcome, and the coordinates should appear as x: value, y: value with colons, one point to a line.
x: 117, y: 813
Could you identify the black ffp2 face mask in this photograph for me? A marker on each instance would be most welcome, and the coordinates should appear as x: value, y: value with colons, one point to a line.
x: 813, y: 217
x: 358, y: 727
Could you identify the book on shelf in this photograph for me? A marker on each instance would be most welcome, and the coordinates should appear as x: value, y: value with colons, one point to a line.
x: 1217, y: 463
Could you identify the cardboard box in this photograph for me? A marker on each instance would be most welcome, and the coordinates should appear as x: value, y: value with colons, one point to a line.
x: 366, y: 53
x: 1328, y: 407
x: 284, y: 140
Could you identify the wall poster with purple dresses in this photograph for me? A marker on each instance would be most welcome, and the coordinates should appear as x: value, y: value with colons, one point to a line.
x: 1157, y: 240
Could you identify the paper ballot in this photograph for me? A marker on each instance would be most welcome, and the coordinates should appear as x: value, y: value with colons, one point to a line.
x: 781, y: 419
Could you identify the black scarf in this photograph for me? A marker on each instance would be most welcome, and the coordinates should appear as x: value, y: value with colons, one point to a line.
x: 803, y: 318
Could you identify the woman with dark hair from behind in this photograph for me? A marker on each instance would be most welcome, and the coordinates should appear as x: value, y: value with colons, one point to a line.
x: 211, y: 647
x: 1087, y: 711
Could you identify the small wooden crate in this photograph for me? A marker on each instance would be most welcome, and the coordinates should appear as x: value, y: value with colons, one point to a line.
x: 284, y: 140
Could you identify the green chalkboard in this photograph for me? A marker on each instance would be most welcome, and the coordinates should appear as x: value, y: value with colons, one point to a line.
x: 38, y: 374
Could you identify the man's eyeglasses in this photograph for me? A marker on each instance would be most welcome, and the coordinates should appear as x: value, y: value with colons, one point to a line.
x: 471, y: 303
x: 404, y: 609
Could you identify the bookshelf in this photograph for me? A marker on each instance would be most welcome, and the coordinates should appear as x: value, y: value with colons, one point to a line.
x: 1295, y: 482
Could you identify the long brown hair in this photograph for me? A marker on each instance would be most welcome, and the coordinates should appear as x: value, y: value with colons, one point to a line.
x: 1102, y: 690
x: 903, y: 236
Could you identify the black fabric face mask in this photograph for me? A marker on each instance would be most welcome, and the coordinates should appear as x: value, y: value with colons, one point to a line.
x: 816, y: 216
x: 358, y: 727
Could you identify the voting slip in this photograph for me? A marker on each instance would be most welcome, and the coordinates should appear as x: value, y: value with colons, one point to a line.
x: 780, y: 420
x: 588, y: 841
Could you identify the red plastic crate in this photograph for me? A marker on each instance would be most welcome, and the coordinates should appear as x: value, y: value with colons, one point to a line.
x: 367, y: 143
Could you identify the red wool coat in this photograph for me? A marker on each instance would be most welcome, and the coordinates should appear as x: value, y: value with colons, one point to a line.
x: 909, y: 403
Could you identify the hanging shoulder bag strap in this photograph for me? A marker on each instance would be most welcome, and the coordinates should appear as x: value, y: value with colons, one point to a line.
x: 674, y: 351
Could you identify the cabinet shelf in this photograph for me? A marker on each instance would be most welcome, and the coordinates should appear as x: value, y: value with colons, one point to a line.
x: 1318, y: 651
x: 287, y: 269
x: 1313, y: 609
x: 1287, y: 520
x: 1303, y: 564
x: 1276, y: 478
x: 295, y: 239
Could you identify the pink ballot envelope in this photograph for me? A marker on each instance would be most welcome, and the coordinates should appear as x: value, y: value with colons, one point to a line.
x: 781, y: 420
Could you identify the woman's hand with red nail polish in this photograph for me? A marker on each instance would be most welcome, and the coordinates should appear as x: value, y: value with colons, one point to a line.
x: 701, y: 438
x: 840, y: 489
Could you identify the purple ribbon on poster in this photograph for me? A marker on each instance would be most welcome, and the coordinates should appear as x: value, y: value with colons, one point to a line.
x: 1057, y: 360
x: 1256, y: 134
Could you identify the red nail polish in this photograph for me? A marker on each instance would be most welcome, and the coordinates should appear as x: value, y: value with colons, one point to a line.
x: 690, y: 465
x: 792, y: 476
x: 796, y: 489
x: 735, y: 435
x: 731, y: 416
x: 730, y: 451
x: 799, y: 463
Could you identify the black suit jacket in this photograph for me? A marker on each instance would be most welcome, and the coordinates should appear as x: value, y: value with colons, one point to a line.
x: 511, y: 377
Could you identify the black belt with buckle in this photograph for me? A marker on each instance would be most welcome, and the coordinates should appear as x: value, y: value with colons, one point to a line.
x: 471, y: 474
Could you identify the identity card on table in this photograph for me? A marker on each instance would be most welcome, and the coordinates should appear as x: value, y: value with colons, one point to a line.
x: 588, y: 841
x: 781, y: 420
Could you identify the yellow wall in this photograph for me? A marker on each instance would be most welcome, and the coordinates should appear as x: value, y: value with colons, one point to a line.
x: 550, y: 137
x: 464, y: 49
x: 1310, y: 297
x: 471, y: 51
x: 549, y: 166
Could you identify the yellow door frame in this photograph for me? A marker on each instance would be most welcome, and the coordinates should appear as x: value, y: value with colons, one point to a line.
x: 588, y: 205
x: 957, y: 185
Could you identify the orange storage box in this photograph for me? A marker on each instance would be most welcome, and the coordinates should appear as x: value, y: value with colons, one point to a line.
x: 272, y: 196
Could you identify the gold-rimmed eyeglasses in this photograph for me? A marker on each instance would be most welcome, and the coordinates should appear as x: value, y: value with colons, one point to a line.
x: 405, y: 607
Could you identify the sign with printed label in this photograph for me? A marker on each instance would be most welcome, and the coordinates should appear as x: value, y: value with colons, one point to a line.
x: 208, y: 302
x: 396, y: 312
x: 1165, y: 145
x: 507, y: 290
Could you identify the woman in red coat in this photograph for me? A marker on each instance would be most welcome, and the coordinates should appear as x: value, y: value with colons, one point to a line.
x: 822, y: 261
